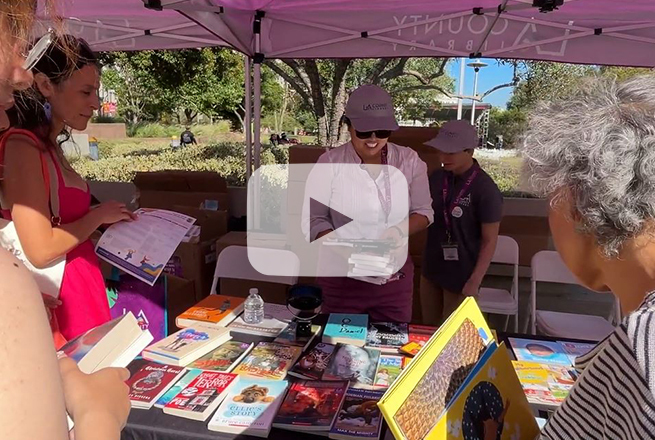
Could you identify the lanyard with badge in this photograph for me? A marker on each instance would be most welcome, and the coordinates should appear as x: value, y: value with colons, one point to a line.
x: 450, y: 249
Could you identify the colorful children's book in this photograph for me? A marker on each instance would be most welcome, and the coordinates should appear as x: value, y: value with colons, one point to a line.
x: 288, y: 336
x: 216, y: 310
x: 346, y: 329
x: 177, y: 387
x: 311, y: 406
x: 387, y: 336
x: 313, y: 364
x: 575, y: 349
x: 250, y: 407
x: 269, y: 360
x: 539, y: 351
x: 276, y: 318
x: 411, y: 348
x: 187, y: 345
x: 545, y: 385
x: 359, y: 416
x: 201, y: 397
x: 223, y: 358
x: 421, y: 334
x: 354, y: 364
x: 150, y: 382
x: 389, y: 368
x: 457, y: 384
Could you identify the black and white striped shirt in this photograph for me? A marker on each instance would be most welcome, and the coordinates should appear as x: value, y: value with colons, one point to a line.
x: 614, y: 396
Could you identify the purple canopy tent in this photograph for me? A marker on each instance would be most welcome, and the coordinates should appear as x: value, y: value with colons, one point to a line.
x: 611, y: 32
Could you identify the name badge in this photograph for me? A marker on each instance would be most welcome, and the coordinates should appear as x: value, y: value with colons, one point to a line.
x: 450, y: 252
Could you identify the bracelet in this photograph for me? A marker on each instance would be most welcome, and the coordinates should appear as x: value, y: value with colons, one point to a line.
x: 400, y: 232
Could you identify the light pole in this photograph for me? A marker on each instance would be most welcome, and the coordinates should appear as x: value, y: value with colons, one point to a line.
x: 477, y: 65
x: 462, y: 68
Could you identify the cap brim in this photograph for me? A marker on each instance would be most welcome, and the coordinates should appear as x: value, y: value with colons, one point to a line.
x: 372, y: 124
x: 447, y: 147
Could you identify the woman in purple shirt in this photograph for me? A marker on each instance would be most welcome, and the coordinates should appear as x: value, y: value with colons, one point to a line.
x: 370, y: 119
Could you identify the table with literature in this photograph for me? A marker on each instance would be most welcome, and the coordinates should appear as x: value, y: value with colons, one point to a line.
x: 154, y: 424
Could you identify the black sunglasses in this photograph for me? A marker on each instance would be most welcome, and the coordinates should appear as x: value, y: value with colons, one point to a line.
x: 380, y: 134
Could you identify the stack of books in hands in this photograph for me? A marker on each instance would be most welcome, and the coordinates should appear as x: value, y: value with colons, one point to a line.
x: 372, y: 268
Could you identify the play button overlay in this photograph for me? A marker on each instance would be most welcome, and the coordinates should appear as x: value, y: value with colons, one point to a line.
x: 316, y: 208
x: 360, y: 213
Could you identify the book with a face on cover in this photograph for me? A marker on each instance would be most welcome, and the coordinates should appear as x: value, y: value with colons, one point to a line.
x: 312, y: 365
x: 354, y: 364
x: 187, y: 345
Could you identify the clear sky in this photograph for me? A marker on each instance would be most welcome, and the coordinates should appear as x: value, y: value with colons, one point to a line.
x: 488, y: 77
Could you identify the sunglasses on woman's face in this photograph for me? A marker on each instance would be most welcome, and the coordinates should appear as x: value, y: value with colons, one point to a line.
x: 380, y: 134
x: 38, y: 50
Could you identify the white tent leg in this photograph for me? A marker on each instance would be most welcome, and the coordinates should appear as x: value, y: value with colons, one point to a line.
x: 462, y: 69
x: 257, y: 115
x: 247, y: 119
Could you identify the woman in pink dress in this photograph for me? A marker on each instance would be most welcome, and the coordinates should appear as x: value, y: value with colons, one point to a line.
x: 64, y: 95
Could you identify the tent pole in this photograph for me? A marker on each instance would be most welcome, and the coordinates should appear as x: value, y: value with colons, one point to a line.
x: 257, y: 115
x: 247, y: 120
x: 462, y: 69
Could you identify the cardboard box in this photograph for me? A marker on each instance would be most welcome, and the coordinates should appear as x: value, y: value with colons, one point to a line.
x: 213, y: 224
x: 180, y: 295
x: 166, y: 189
x: 195, y: 262
x: 233, y: 238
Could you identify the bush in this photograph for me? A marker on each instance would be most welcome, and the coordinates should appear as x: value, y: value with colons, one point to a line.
x: 154, y: 130
x: 107, y: 120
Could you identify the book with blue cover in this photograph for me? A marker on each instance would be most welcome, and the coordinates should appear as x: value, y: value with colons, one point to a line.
x: 534, y: 350
x: 346, y: 329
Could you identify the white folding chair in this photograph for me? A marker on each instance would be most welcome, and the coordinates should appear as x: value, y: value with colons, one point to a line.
x: 501, y: 301
x: 547, y: 266
x: 233, y: 263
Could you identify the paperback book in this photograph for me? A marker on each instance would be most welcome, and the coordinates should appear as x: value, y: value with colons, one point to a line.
x: 201, y: 397
x: 187, y: 345
x: 249, y: 407
x: 313, y: 364
x: 311, y: 406
x: 359, y: 416
x: 224, y: 358
x: 150, y: 382
x: 387, y: 336
x: 389, y: 368
x: 216, y: 310
x: 346, y: 329
x: 276, y: 318
x: 269, y: 360
x: 354, y: 364
x: 177, y: 387
x: 288, y: 336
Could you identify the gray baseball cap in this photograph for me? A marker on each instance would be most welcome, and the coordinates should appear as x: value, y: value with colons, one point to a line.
x: 370, y: 108
x: 455, y: 136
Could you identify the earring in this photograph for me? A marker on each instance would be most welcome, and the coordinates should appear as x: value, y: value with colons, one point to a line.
x: 47, y: 109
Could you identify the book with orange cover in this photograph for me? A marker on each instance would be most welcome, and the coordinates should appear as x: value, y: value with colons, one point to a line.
x: 217, y: 310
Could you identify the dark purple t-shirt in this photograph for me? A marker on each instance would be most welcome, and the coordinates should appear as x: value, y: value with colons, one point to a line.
x: 483, y: 203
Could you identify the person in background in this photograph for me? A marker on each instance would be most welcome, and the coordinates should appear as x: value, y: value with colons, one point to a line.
x: 593, y: 156
x: 370, y: 120
x: 462, y: 240
x: 187, y: 138
x: 99, y: 403
x: 66, y: 81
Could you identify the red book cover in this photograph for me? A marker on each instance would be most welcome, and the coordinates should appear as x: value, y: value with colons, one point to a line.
x: 201, y: 393
x: 420, y: 333
x: 311, y: 404
x: 150, y: 381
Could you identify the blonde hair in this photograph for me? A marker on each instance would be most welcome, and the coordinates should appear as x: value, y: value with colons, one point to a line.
x: 17, y: 20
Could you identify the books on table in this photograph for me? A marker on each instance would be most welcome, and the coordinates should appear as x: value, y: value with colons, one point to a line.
x: 276, y: 318
x: 312, y: 365
x: 224, y: 358
x: 150, y: 382
x: 346, y: 329
x: 201, y: 396
x: 387, y: 336
x: 575, y: 349
x: 359, y: 416
x: 311, y: 406
x: 534, y: 350
x: 177, y: 387
x: 288, y: 336
x: 250, y: 407
x: 389, y: 368
x: 216, y: 310
x: 419, y: 335
x: 545, y: 385
x: 354, y: 364
x: 187, y: 345
x: 269, y: 360
x: 458, y: 378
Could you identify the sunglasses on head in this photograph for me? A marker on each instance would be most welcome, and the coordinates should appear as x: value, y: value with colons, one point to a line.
x: 380, y: 134
x: 38, y: 50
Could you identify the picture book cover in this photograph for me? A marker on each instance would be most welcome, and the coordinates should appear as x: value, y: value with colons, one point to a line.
x: 387, y: 336
x: 311, y: 405
x: 173, y: 391
x: 313, y: 364
x: 539, y: 351
x: 359, y: 415
x: 575, y: 349
x: 201, y: 393
x: 269, y: 360
x: 540, y: 385
x: 411, y: 348
x: 214, y: 309
x: 186, y: 341
x: 224, y: 358
x: 250, y: 406
x: 430, y: 381
x: 354, y: 364
x: 347, y: 329
x: 150, y: 382
x: 276, y: 318
x: 389, y: 368
x: 288, y: 336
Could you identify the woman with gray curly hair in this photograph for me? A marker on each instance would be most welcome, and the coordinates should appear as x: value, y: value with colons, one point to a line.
x: 593, y: 156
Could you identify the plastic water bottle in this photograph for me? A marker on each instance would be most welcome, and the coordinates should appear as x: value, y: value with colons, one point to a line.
x: 94, y: 152
x: 253, y: 308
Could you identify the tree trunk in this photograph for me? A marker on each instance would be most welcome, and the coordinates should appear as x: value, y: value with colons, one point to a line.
x: 338, y: 108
